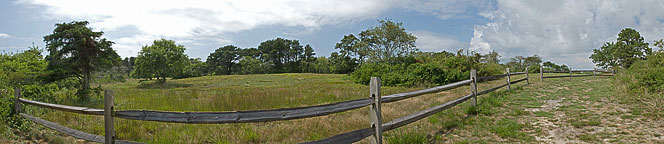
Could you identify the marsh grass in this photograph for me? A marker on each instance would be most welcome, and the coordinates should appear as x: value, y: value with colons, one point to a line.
x: 254, y: 92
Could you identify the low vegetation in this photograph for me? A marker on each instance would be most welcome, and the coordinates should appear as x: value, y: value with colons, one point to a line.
x: 252, y: 92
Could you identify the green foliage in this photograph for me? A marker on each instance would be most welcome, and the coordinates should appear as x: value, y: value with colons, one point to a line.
x: 222, y: 60
x: 425, y: 69
x: 22, y: 70
x: 341, y: 64
x: 250, y: 65
x: 550, y: 66
x: 194, y: 68
x: 407, y: 137
x: 384, y: 43
x: 508, y: 128
x: 160, y: 60
x: 519, y: 63
x: 628, y: 49
x: 285, y: 54
x: 646, y: 75
x: 77, y: 51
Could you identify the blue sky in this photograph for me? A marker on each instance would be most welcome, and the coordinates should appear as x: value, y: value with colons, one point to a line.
x: 564, y: 32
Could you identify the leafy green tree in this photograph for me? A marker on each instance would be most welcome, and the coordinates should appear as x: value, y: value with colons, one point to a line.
x: 22, y: 68
x: 387, y: 41
x: 251, y: 52
x: 491, y: 57
x: 519, y: 63
x: 660, y: 44
x: 160, y: 60
x: 321, y: 65
x: 341, y: 64
x: 353, y: 47
x: 77, y: 51
x: 194, y: 68
x: 309, y: 53
x: 629, y: 48
x: 222, y: 60
x: 283, y: 53
x: 250, y: 65
x: 309, y: 59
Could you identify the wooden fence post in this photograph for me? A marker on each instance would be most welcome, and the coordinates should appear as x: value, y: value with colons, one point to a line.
x: 527, y: 78
x: 376, y: 115
x: 473, y: 87
x: 594, y: 71
x: 109, y: 129
x: 17, y: 102
x: 508, y: 79
x: 570, y: 72
x: 541, y: 74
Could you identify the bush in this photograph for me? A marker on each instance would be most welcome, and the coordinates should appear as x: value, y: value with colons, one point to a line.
x: 427, y: 72
x: 646, y: 75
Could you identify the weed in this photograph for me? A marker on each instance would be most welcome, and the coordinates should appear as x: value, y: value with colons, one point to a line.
x: 407, y: 137
x: 508, y: 128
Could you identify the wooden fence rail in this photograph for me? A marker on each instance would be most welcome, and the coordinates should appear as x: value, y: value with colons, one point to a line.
x: 375, y: 101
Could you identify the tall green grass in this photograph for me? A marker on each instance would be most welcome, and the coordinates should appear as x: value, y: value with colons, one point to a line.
x: 250, y: 92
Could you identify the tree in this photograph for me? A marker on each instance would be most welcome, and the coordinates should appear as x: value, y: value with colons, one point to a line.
x: 222, y: 60
x: 309, y: 53
x: 76, y: 51
x: 629, y: 48
x: 491, y: 57
x: 160, y: 60
x: 22, y: 68
x: 341, y: 64
x: 194, y: 68
x: 660, y: 44
x: 532, y: 60
x: 283, y: 53
x: 387, y: 41
x: 352, y: 46
x: 250, y: 65
x: 309, y: 59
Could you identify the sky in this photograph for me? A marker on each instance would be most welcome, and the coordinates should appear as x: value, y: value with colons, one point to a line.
x: 561, y: 31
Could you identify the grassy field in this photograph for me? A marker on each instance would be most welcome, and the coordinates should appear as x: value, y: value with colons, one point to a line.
x: 251, y: 92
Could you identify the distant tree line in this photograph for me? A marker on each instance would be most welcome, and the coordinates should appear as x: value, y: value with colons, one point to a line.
x: 78, y: 56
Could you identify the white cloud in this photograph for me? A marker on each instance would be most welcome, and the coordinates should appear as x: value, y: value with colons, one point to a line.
x: 206, y: 20
x: 429, y: 41
x: 130, y: 46
x: 210, y: 17
x: 4, y: 35
x: 564, y: 31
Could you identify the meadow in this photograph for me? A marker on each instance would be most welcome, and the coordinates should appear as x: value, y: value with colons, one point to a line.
x: 252, y: 92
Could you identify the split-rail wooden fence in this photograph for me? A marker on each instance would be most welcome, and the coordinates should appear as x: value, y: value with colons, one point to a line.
x: 374, y: 101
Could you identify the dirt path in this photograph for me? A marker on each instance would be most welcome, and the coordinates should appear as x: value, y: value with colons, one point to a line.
x: 592, y: 114
x: 581, y: 110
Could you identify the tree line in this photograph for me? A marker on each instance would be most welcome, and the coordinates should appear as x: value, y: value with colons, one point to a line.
x: 78, y: 56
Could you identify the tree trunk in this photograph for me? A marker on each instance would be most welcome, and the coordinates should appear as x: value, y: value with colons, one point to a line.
x: 86, y: 84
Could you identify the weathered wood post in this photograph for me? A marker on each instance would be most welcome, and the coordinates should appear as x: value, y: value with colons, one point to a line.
x: 541, y: 74
x: 570, y: 73
x: 17, y: 102
x: 527, y: 78
x: 376, y: 115
x: 594, y: 71
x: 508, y: 79
x: 109, y: 129
x: 473, y: 87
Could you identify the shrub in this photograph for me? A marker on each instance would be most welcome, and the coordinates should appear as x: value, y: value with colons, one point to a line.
x: 646, y: 75
x: 417, y: 73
